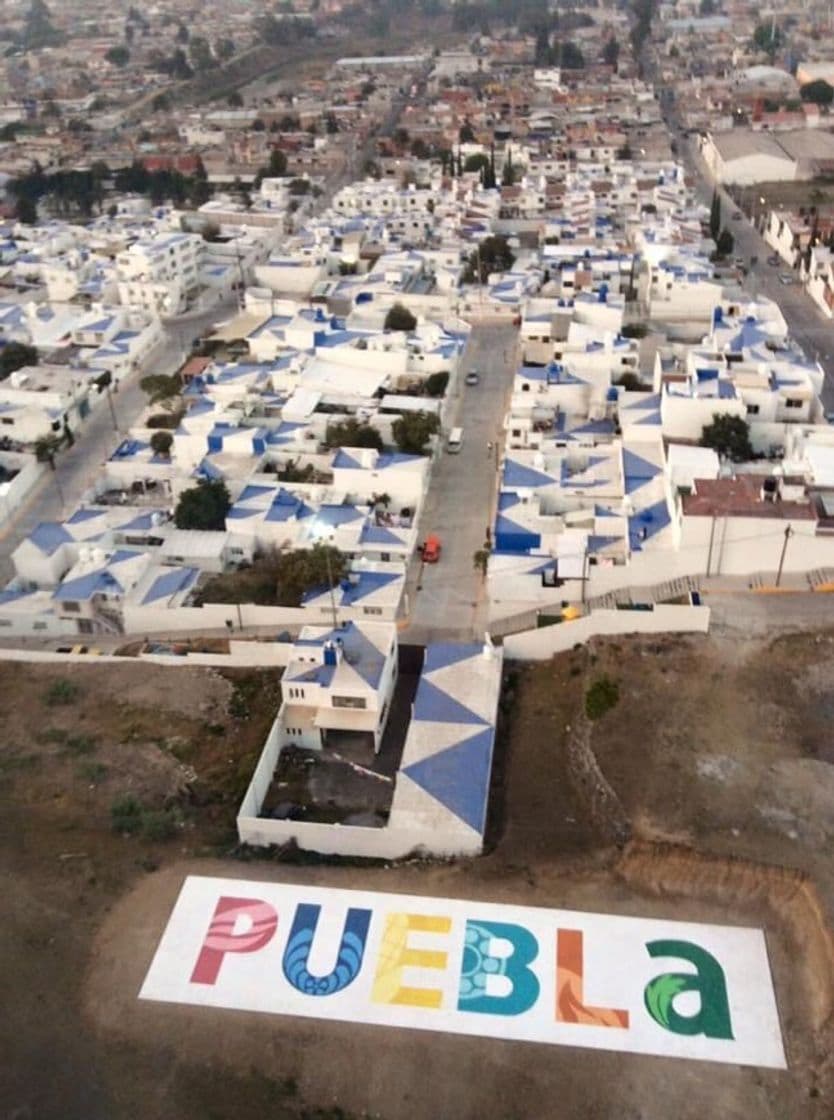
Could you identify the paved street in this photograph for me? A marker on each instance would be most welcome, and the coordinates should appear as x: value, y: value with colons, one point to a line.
x: 76, y: 468
x: 807, y: 325
x: 448, y: 598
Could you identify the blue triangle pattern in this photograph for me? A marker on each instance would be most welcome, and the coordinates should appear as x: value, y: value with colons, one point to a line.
x: 458, y: 777
x: 432, y: 704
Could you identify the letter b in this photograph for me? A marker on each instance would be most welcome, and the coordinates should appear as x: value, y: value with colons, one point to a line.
x: 479, y: 963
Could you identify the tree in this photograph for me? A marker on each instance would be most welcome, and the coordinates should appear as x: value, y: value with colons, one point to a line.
x: 480, y: 560
x: 611, y: 52
x: 768, y: 37
x: 352, y: 433
x: 466, y: 135
x: 493, y: 255
x: 729, y: 436
x: 46, y: 448
x: 571, y: 57
x: 707, y: 8
x: 161, y: 443
x: 399, y: 318
x: 508, y: 171
x: 162, y: 389
x: 818, y: 92
x: 435, y: 384
x: 26, y: 210
x: 419, y: 148
x: 224, y: 49
x: 204, y: 506
x: 715, y: 216
x: 725, y: 244
x: 234, y: 100
x: 16, y: 355
x: 412, y: 431
x: 476, y: 162
x: 118, y: 55
x: 279, y: 578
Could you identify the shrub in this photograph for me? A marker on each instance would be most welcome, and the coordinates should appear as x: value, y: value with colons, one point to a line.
x: 62, y: 691
x: 159, y: 824
x: 80, y: 744
x: 399, y: 318
x: 126, y: 815
x: 161, y: 443
x: 601, y: 697
x: 436, y: 384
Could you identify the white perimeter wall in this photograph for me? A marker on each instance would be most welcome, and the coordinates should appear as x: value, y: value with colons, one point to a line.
x: 540, y: 645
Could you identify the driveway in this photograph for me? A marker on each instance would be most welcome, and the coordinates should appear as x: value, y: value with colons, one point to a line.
x: 448, y: 599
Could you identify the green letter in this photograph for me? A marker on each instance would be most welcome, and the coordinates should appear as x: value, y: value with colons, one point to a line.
x: 713, y: 1016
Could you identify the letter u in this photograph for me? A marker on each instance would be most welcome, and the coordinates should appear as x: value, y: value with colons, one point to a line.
x: 348, y: 958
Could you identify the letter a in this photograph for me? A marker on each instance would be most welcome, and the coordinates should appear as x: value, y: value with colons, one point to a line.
x: 222, y: 939
x: 479, y: 964
x: 570, y: 986
x: 713, y: 1017
x: 348, y: 959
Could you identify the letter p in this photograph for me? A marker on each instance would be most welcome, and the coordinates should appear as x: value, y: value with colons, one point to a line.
x: 258, y: 921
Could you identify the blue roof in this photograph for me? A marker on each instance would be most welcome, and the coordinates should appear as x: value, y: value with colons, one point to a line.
x: 458, y: 777
x: 517, y: 474
x: 338, y: 515
x: 362, y: 656
x: 434, y: 705
x: 648, y: 400
x: 647, y: 524
x: 378, y: 534
x: 48, y: 537
x: 83, y: 515
x: 440, y: 655
x: 169, y: 583
x: 637, y: 471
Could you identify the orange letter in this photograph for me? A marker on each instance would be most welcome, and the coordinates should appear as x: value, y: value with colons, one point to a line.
x: 570, y: 1005
x: 395, y: 955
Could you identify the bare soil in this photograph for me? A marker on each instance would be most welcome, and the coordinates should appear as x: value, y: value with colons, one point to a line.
x: 718, y: 763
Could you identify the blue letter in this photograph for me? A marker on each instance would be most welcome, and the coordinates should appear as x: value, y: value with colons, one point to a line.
x: 478, y: 964
x: 348, y: 959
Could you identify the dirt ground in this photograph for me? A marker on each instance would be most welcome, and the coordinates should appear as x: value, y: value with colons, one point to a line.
x: 717, y: 757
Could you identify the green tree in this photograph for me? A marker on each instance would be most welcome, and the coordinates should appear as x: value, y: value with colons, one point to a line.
x: 476, y: 162
x: 16, y: 355
x: 571, y: 57
x: 234, y: 100
x: 26, y: 210
x: 480, y: 560
x: 199, y: 53
x: 768, y: 37
x: 725, y: 244
x: 729, y: 436
x: 352, y: 433
x: 162, y: 389
x: 46, y: 448
x: 436, y: 383
x: 818, y: 92
x: 204, y: 506
x: 508, y: 171
x: 611, y: 52
x: 161, y: 443
x: 118, y: 55
x: 466, y: 134
x: 224, y: 49
x: 493, y: 255
x: 412, y: 431
x: 715, y: 216
x: 399, y: 318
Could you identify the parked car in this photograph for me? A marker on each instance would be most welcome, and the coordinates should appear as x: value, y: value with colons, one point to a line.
x: 473, y: 377
x: 737, y: 216
x: 774, y: 260
x: 430, y: 549
x: 786, y: 278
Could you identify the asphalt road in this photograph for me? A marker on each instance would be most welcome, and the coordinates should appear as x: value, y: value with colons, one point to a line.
x: 57, y: 494
x: 448, y: 599
x: 806, y: 323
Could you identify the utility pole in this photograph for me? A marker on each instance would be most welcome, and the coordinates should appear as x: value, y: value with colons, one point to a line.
x: 788, y: 535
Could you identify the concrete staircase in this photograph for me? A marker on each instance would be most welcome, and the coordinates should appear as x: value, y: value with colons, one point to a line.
x: 659, y: 593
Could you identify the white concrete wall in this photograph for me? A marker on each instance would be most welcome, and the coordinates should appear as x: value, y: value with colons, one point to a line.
x: 139, y: 619
x: 541, y: 644
x: 13, y: 493
x: 349, y: 840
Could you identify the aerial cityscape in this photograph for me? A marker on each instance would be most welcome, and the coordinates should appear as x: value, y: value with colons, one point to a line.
x: 417, y: 560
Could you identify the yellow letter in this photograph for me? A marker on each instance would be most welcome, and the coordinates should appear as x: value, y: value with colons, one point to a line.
x: 395, y: 955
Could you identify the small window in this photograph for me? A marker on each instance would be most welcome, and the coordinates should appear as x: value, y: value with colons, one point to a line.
x: 752, y: 410
x: 71, y: 607
x: 9, y: 421
x: 792, y: 402
x: 37, y: 626
x: 373, y: 610
x: 349, y: 702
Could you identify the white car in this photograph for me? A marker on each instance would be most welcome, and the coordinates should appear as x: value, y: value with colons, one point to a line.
x: 473, y: 377
x: 786, y: 278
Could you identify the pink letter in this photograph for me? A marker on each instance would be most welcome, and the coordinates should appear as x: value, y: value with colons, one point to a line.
x: 222, y: 939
